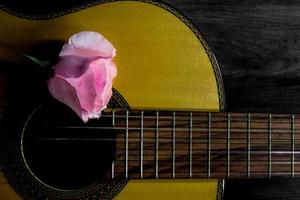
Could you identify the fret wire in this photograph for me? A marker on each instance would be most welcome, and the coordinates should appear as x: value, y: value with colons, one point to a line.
x: 126, y: 145
x: 209, y: 146
x: 260, y: 155
x: 259, y: 130
x: 237, y: 118
x: 242, y: 152
x: 199, y: 141
x: 228, y: 144
x: 260, y: 163
x: 270, y: 141
x: 293, y: 146
x: 258, y: 119
x: 241, y: 173
x: 260, y: 174
x: 156, y: 144
x: 113, y: 118
x: 270, y: 146
x: 142, y: 143
x: 223, y: 187
x: 113, y: 170
x: 191, y: 145
x: 113, y: 162
x: 248, y: 144
x: 174, y: 145
x: 257, y: 163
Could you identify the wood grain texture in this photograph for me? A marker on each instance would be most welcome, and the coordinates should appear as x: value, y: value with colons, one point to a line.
x: 205, y: 145
x: 257, y: 46
x: 182, y: 145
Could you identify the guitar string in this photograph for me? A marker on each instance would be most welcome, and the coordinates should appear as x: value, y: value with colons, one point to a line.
x: 169, y: 141
x: 214, y: 119
x: 257, y: 155
x: 218, y: 129
x: 199, y: 139
x: 162, y: 129
x: 256, y: 162
x: 199, y: 121
x: 203, y: 115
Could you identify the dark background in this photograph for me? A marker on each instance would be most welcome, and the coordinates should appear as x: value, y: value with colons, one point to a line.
x: 256, y: 43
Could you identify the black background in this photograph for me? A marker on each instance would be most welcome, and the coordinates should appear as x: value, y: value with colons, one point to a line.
x: 257, y: 45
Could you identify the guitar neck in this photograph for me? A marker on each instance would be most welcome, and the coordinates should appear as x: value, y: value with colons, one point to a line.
x: 167, y: 144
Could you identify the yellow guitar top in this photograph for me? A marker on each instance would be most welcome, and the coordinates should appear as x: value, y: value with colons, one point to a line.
x: 163, y: 62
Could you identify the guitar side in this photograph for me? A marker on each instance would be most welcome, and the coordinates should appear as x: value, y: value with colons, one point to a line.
x: 167, y: 66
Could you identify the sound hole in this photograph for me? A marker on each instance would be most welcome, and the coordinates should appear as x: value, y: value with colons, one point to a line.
x: 63, y: 152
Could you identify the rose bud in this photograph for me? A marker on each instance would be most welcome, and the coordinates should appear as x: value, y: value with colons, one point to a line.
x: 83, y: 76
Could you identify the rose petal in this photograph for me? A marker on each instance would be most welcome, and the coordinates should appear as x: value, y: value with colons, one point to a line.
x: 107, y: 91
x: 83, y: 76
x: 85, y: 89
x: 71, y: 66
x: 91, y: 115
x: 113, y: 70
x: 100, y: 82
x: 61, y: 90
x: 88, y: 44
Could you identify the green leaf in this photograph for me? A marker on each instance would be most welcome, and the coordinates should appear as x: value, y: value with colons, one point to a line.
x: 42, y: 63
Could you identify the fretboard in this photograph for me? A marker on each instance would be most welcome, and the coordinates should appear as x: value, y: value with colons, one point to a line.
x: 167, y: 144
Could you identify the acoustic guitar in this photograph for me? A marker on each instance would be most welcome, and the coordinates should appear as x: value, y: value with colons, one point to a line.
x: 165, y: 134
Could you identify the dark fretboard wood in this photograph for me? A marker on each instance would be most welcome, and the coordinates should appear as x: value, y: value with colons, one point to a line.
x: 169, y: 144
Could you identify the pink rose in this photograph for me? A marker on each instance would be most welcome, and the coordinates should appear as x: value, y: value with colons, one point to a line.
x: 83, y: 76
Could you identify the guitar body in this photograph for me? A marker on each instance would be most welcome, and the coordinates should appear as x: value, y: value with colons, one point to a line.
x: 163, y: 63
